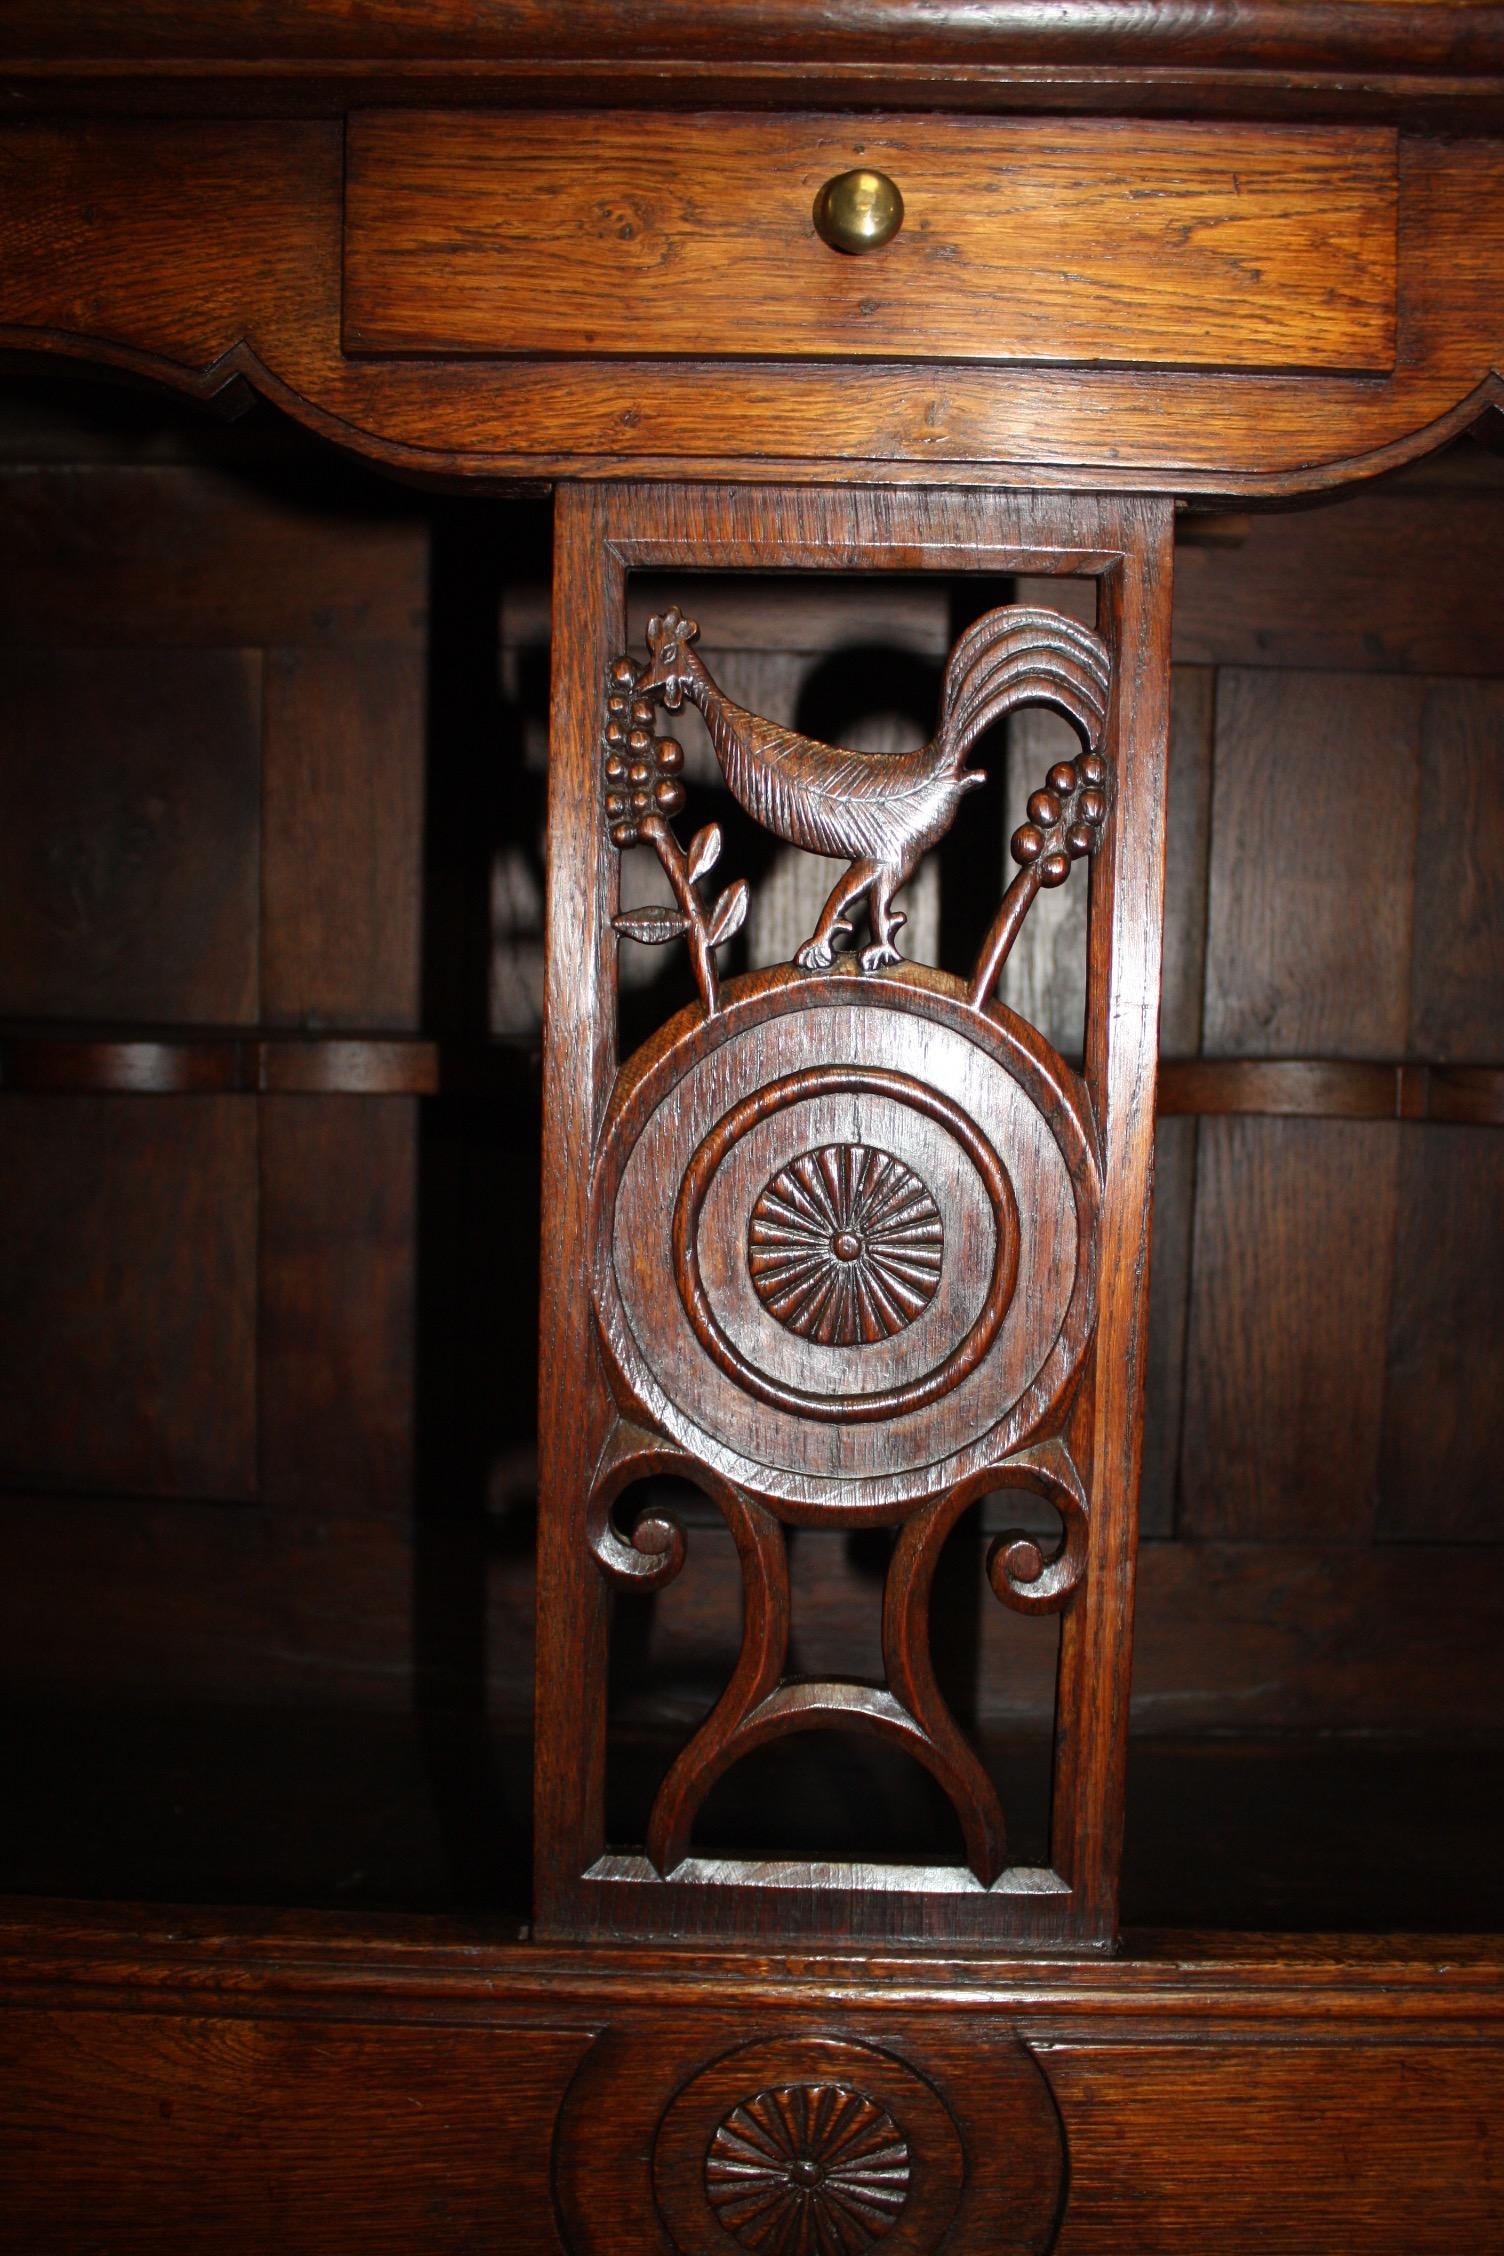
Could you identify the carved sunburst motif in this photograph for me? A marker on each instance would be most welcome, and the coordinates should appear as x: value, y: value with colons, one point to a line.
x: 845, y: 1246
x: 808, y: 2170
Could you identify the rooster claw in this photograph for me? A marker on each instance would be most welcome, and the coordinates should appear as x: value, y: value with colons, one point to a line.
x: 873, y: 958
x: 818, y: 952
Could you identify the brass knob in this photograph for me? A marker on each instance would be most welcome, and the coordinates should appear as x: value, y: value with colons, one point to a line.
x: 858, y: 211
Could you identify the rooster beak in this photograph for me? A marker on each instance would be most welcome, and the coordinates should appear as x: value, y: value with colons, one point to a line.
x: 673, y: 695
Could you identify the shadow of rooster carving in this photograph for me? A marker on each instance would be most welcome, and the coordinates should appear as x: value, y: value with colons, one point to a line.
x: 881, y: 812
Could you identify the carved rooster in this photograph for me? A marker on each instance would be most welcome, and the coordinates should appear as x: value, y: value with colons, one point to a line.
x: 882, y: 811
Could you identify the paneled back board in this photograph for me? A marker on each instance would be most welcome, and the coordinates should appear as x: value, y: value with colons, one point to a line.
x: 212, y: 823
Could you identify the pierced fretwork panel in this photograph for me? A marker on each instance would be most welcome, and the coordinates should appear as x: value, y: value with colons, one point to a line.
x: 845, y: 1223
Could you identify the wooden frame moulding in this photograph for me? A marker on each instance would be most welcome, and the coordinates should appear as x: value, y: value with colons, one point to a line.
x: 606, y: 1422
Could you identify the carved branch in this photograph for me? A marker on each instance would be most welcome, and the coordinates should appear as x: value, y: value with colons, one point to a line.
x: 643, y: 791
x: 1064, y: 826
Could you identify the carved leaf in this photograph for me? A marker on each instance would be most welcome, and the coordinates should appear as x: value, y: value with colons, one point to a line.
x: 704, y: 851
x: 730, y: 912
x: 651, y: 925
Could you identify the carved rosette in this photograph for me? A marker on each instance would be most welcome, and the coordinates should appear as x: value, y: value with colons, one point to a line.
x: 845, y: 1246
x: 799, y: 2144
x: 808, y: 2170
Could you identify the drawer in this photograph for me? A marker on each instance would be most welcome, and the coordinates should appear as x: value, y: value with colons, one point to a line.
x: 1079, y: 241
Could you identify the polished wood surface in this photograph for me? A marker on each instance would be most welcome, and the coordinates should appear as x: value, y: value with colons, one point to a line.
x: 1185, y: 57
x: 487, y: 235
x: 297, y: 1282
x: 214, y: 253
x: 200, y: 2080
x: 752, y: 1427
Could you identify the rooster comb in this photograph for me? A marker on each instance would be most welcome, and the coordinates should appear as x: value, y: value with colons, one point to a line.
x: 669, y: 627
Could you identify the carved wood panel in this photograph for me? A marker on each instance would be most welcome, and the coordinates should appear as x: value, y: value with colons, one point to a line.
x: 786, y: 2138
x: 844, y: 1220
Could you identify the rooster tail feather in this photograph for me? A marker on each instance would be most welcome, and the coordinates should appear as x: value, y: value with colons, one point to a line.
x: 1020, y: 656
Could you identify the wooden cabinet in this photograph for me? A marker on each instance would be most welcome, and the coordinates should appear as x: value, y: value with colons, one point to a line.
x: 288, y: 998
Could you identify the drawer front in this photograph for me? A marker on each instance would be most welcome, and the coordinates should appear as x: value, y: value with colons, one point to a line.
x: 1168, y: 245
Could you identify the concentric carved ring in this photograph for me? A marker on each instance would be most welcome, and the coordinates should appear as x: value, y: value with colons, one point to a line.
x: 805, y: 2145
x: 815, y: 2166
x: 845, y: 1246
x: 703, y: 1125
x: 797, y: 1089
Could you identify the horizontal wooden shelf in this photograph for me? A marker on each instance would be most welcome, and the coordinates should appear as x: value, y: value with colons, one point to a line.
x: 213, y: 1063
x: 1332, y: 1089
x: 233, y: 1064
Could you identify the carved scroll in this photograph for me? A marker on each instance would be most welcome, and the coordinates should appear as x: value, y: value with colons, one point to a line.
x: 760, y: 1703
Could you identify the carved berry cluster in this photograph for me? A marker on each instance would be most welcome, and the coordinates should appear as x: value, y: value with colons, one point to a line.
x: 642, y: 770
x: 643, y: 794
x: 1065, y: 819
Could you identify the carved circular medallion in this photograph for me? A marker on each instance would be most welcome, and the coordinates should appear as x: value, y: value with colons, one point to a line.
x: 808, y: 2166
x: 844, y: 1237
x: 845, y: 1246
x: 793, y: 2143
x: 972, y: 1316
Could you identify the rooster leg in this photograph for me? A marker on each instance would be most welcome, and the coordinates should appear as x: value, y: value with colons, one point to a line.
x: 818, y: 952
x: 885, y: 919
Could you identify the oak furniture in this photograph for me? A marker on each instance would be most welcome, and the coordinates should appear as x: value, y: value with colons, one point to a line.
x: 940, y: 327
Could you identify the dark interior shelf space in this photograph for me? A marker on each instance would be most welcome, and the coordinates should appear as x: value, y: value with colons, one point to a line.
x: 323, y: 1810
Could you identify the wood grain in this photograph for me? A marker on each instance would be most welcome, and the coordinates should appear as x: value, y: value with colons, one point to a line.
x: 158, y: 2134
x: 343, y: 779
x: 99, y: 559
x: 1169, y: 1290
x: 1317, y: 589
x: 129, y: 1064
x: 301, y: 1612
x: 1188, y: 823
x: 1397, y: 2156
x: 130, y: 835
x: 981, y: 2155
x: 1286, y: 1638
x: 1457, y: 966
x: 1285, y: 1355
x: 128, y: 1279
x: 1254, y: 248
x: 186, y: 2080
x: 1366, y: 36
x: 1315, y: 804
x: 1378, y: 58
x: 1440, y: 1477
x: 603, y: 535
x: 1332, y: 1089
x: 338, y: 1216
x: 139, y: 289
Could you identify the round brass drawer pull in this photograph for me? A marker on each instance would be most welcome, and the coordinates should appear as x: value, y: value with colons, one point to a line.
x: 858, y: 211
